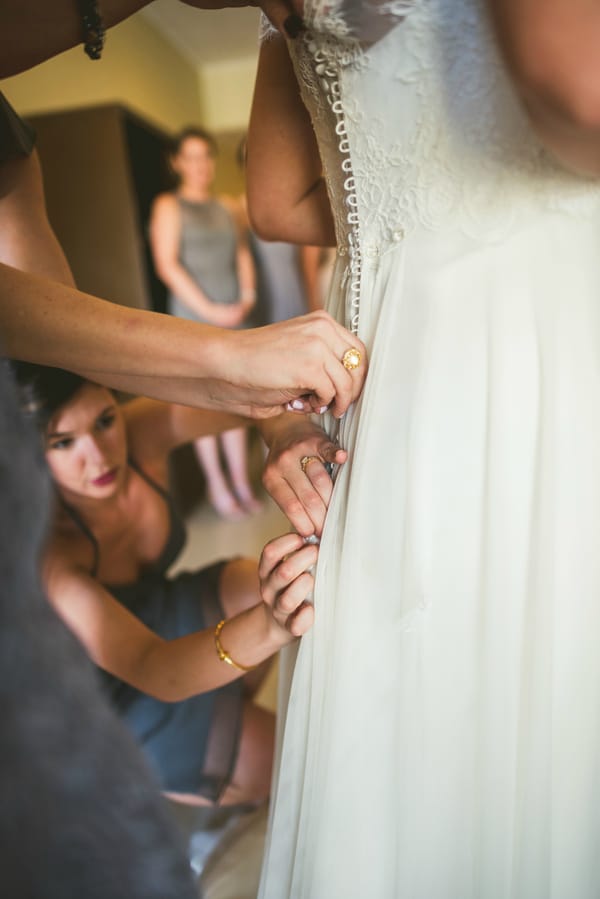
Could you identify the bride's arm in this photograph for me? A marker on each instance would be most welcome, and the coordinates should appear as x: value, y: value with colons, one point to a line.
x: 287, y: 198
x: 552, y: 49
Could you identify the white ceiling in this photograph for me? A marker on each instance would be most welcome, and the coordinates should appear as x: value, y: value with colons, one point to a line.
x: 206, y: 36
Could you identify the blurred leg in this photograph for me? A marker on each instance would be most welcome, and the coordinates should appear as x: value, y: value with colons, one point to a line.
x: 251, y: 779
x: 235, y: 448
x: 219, y: 494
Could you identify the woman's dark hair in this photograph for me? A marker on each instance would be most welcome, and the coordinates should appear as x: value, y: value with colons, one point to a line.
x: 193, y: 131
x: 43, y: 390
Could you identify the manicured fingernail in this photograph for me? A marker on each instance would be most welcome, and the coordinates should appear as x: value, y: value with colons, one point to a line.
x: 293, y: 25
x: 297, y: 405
x: 322, y: 409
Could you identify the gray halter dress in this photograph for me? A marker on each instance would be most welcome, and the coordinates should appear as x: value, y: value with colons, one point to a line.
x: 208, y: 251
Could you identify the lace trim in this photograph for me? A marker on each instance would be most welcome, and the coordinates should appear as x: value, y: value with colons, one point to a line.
x: 266, y: 31
x: 361, y: 21
x: 327, y: 72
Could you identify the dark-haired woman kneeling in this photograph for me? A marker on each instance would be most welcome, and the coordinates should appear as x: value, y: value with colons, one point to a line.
x: 180, y: 657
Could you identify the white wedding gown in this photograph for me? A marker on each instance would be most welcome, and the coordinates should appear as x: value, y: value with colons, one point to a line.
x: 442, y: 739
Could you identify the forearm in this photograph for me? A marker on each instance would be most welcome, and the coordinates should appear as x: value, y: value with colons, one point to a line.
x: 188, y: 424
x: 52, y: 324
x: 155, y: 429
x: 34, y: 30
x: 287, y: 197
x: 177, y: 669
x: 551, y: 48
x: 286, y: 428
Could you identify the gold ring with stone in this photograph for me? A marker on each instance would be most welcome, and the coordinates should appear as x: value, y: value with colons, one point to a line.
x: 351, y: 358
x: 306, y: 460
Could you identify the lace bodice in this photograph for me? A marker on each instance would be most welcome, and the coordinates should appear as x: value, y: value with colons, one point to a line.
x: 419, y: 125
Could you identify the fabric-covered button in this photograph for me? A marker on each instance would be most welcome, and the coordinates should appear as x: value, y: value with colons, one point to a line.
x: 398, y: 235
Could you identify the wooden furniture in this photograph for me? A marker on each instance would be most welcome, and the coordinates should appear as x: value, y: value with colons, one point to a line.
x: 102, y: 167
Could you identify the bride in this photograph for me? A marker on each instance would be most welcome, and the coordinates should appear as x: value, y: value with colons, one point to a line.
x: 442, y: 735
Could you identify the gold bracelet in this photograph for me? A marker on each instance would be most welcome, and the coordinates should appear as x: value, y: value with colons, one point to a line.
x: 223, y: 654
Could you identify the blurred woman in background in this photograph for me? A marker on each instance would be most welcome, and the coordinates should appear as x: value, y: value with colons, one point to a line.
x: 203, y: 259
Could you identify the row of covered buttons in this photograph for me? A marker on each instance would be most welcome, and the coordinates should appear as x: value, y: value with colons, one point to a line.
x: 373, y: 251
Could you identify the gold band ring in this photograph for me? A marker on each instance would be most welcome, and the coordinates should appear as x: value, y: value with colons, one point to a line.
x: 351, y: 358
x: 306, y: 460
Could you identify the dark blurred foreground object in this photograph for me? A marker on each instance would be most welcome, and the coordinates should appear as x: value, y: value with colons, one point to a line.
x: 81, y: 817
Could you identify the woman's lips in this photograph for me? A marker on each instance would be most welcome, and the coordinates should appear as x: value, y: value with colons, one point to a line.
x: 107, y: 478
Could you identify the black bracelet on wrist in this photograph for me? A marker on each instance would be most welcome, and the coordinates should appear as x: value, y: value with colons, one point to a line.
x: 93, y: 28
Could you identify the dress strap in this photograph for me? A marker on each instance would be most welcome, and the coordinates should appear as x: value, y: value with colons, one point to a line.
x: 177, y: 533
x: 83, y: 527
x: 149, y: 480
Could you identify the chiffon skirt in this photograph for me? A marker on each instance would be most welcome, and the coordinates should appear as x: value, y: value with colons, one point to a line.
x: 442, y: 738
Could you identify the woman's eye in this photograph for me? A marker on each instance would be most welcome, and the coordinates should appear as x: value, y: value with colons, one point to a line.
x: 105, y: 421
x: 64, y: 443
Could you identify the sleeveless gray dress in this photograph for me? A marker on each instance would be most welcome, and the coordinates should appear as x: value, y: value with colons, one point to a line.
x: 207, y: 251
x: 280, y: 288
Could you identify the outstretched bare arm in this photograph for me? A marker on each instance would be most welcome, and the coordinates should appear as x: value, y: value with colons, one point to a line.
x: 44, y: 319
x: 34, y: 30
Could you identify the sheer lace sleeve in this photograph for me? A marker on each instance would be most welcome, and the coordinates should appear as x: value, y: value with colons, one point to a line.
x: 266, y: 31
x: 365, y: 21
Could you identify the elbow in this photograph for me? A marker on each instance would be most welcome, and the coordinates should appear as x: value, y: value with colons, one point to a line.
x: 269, y: 206
x: 167, y: 696
x: 167, y: 690
x: 265, y: 221
x: 164, y: 273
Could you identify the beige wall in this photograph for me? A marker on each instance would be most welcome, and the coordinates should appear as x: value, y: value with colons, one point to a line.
x: 139, y: 68
x: 226, y: 93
